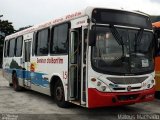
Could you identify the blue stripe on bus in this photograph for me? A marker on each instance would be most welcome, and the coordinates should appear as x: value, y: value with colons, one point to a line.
x: 35, y: 77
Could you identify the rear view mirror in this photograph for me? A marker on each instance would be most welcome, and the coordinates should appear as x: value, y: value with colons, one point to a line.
x: 92, y: 37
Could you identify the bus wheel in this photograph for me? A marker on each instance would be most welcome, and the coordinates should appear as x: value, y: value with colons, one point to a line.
x: 59, y: 95
x: 15, y: 82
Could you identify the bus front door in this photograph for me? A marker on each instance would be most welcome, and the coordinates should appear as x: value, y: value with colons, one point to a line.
x: 26, y: 64
x: 77, y: 65
x: 73, y: 64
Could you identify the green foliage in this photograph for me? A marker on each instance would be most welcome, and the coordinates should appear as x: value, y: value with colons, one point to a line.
x: 23, y: 28
x: 6, y: 28
x: 155, y: 18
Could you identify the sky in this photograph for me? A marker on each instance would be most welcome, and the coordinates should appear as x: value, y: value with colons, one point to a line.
x: 23, y: 13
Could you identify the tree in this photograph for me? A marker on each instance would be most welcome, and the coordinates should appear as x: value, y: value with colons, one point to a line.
x: 6, y: 28
x: 155, y: 18
x: 22, y: 28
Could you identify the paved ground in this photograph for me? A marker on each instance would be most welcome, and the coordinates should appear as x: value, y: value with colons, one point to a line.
x: 30, y: 105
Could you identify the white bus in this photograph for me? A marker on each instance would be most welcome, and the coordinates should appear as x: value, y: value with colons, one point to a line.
x: 93, y: 58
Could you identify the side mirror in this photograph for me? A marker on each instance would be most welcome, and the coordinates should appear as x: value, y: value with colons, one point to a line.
x: 92, y: 37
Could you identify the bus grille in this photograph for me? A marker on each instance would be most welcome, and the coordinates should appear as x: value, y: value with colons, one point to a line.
x: 127, y: 80
x: 120, y: 88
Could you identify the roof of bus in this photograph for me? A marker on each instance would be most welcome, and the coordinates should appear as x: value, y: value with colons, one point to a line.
x: 59, y: 20
x: 156, y: 24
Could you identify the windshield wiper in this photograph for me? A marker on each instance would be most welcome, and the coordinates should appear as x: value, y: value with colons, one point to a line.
x: 138, y: 38
x: 117, y: 37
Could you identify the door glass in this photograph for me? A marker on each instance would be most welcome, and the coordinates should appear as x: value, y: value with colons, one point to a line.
x: 74, y: 49
x: 27, y: 51
x: 73, y: 67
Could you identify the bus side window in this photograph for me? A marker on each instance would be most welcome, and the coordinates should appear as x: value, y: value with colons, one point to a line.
x: 11, y: 48
x: 18, y: 46
x: 59, y: 40
x: 6, y: 48
x: 42, y: 39
x: 33, y: 44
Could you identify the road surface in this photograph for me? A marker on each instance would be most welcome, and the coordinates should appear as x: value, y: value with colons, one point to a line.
x: 30, y: 105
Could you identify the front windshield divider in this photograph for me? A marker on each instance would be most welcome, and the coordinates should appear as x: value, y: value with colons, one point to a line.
x: 118, y: 38
x: 138, y: 38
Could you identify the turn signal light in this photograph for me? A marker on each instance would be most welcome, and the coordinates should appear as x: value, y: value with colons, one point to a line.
x: 98, y: 83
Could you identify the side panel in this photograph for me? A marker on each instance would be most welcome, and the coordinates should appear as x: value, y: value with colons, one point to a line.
x: 44, y: 68
x: 12, y: 64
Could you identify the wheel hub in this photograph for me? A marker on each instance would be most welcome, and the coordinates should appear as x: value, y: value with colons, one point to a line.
x: 59, y: 93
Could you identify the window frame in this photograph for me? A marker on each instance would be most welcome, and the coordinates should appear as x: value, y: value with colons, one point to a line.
x: 21, y: 46
x: 52, y: 41
x: 35, y: 42
x: 9, y: 47
x: 6, y: 48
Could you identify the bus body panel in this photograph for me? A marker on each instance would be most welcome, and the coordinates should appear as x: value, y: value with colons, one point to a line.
x: 37, y: 73
x: 100, y: 99
x: 49, y: 66
x: 139, y: 91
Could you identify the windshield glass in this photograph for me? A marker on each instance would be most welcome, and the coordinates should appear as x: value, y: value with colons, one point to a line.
x: 129, y: 53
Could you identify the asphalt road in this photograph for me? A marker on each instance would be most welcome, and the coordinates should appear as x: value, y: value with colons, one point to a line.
x: 30, y: 105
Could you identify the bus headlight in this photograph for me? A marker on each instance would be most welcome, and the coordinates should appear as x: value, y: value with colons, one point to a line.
x: 148, y: 84
x: 100, y: 85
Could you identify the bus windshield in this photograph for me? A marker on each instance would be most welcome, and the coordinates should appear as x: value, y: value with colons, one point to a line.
x: 132, y: 53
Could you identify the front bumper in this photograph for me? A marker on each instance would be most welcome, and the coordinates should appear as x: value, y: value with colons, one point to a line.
x: 101, y: 99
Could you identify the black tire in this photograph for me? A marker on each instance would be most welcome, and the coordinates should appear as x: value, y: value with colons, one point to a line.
x: 59, y: 95
x: 16, y: 86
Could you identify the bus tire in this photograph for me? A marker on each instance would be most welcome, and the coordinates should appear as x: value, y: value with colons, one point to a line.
x: 59, y: 95
x: 15, y: 82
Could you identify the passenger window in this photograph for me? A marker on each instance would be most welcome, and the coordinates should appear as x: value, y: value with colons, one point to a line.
x: 19, y: 43
x: 11, y: 48
x: 33, y: 44
x: 42, y: 42
x: 59, y: 41
x: 5, y: 48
